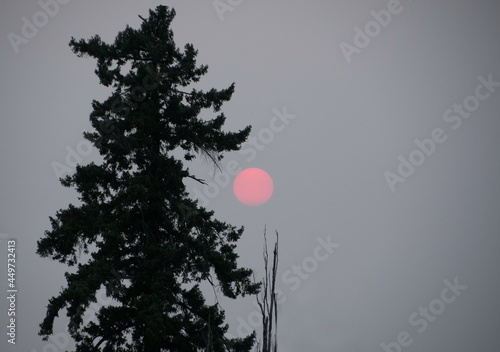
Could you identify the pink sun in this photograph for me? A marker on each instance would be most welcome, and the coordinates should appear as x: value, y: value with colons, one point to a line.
x: 253, y: 186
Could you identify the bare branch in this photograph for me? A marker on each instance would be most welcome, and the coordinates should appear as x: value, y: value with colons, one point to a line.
x: 197, y: 179
x: 186, y: 173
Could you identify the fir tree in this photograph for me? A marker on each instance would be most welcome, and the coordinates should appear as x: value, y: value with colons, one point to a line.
x: 149, y: 245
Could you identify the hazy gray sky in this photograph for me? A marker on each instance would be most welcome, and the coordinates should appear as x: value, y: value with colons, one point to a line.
x: 353, y: 96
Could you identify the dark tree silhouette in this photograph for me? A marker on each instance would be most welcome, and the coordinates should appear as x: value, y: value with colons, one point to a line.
x: 149, y: 245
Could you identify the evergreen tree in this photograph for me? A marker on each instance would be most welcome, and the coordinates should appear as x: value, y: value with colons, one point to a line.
x: 135, y: 219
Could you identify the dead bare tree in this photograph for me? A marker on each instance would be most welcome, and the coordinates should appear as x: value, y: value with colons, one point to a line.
x: 267, y: 300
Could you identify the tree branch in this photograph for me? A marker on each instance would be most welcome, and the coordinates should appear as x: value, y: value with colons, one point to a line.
x: 187, y: 174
